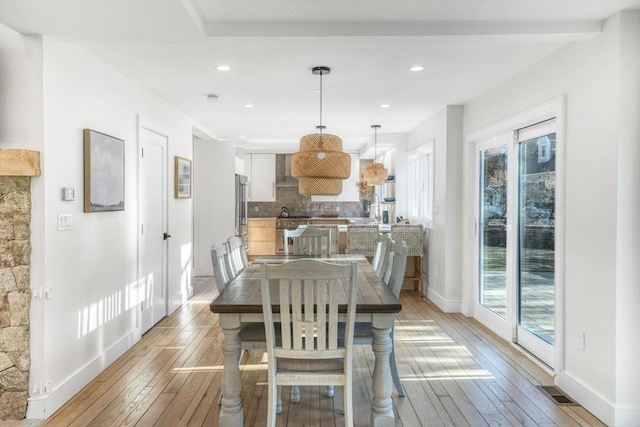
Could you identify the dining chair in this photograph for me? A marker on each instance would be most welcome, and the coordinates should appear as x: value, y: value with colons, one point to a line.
x: 252, y: 336
x: 237, y: 255
x: 308, y: 241
x: 335, y: 236
x: 219, y: 258
x: 310, y: 351
x: 393, y: 278
x: 381, y: 257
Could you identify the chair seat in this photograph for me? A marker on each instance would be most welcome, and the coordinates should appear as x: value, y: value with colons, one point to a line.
x: 252, y: 332
x: 304, y: 365
x: 360, y: 330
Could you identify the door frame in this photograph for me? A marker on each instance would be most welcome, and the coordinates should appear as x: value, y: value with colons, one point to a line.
x: 145, y: 124
x: 555, y: 107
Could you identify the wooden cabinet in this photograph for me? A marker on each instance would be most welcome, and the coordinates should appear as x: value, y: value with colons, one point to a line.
x: 261, y: 237
x: 261, y: 172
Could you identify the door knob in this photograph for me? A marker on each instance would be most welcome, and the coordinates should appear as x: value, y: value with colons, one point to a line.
x: 165, y: 236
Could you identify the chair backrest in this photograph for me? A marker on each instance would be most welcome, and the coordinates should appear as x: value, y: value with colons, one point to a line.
x: 308, y: 241
x: 335, y: 236
x: 309, y: 291
x: 412, y: 234
x: 362, y: 239
x: 237, y: 255
x: 219, y: 258
x: 381, y: 257
x: 397, y: 264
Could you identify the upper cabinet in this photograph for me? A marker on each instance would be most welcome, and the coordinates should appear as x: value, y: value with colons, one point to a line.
x: 350, y: 191
x: 261, y: 171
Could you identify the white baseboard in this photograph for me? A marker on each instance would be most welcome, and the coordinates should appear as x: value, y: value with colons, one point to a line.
x: 447, y: 306
x: 597, y: 404
x: 41, y: 407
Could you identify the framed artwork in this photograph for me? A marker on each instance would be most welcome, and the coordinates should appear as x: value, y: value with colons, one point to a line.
x: 103, y: 172
x: 182, y: 178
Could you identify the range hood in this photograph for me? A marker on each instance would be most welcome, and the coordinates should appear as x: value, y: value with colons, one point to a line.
x: 287, y: 181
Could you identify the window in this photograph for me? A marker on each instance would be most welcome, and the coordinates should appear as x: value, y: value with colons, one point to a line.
x: 421, y: 187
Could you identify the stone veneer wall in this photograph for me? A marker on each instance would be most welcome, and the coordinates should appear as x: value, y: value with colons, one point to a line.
x: 15, y: 295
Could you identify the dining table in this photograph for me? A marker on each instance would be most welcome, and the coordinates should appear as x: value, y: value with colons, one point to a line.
x: 241, y: 301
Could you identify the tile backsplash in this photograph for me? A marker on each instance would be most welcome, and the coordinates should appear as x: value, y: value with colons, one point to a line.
x: 297, y: 204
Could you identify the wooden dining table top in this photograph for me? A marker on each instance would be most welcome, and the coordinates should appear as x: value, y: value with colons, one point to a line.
x: 243, y: 294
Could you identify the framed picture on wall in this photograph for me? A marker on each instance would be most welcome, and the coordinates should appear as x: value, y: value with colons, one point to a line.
x: 103, y: 172
x: 182, y: 178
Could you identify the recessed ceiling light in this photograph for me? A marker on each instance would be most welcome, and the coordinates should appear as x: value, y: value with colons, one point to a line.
x: 248, y: 105
x: 416, y: 68
x: 385, y: 105
x: 223, y: 68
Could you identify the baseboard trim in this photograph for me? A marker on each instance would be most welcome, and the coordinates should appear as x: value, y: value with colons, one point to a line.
x: 447, y: 306
x: 41, y: 407
x: 597, y: 404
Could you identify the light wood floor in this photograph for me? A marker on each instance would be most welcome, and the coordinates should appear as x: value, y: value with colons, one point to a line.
x: 455, y: 372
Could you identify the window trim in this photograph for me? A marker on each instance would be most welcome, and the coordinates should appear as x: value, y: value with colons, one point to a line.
x: 425, y: 197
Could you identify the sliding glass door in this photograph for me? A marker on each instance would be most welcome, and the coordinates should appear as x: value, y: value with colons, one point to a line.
x: 493, y: 246
x: 516, y: 197
x: 536, y: 239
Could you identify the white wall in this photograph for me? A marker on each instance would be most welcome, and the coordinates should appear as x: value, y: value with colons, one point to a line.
x: 601, y: 235
x: 214, y: 186
x: 443, y: 255
x: 91, y: 319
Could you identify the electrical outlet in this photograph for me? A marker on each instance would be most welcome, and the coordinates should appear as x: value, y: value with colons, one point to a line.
x: 580, y: 340
x: 36, y: 388
x: 255, y: 209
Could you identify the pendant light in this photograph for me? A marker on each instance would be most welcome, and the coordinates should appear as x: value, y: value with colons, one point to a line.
x: 320, y: 165
x: 375, y: 173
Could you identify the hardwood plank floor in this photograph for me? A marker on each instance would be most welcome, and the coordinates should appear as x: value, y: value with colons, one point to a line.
x: 455, y: 373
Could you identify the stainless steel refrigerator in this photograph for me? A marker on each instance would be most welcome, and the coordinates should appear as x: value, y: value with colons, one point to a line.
x: 241, y: 205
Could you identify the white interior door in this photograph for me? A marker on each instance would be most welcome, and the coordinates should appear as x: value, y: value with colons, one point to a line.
x: 152, y: 285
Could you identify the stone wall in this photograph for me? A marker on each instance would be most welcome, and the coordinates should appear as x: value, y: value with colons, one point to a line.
x: 15, y: 295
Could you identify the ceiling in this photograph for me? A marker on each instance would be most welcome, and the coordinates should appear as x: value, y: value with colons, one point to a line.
x: 172, y: 47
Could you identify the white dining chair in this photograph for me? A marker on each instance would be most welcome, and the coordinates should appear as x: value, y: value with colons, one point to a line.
x: 381, y: 257
x: 237, y: 255
x: 394, y: 277
x: 310, y: 351
x: 308, y: 241
x: 219, y: 259
x: 252, y: 335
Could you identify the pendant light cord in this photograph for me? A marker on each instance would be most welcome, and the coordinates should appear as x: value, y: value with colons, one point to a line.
x: 375, y: 142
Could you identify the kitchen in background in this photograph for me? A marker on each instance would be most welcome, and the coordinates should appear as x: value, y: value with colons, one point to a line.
x: 288, y: 196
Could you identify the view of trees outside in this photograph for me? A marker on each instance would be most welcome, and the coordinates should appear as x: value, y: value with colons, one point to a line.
x: 536, y: 233
x: 536, y: 267
x: 493, y: 279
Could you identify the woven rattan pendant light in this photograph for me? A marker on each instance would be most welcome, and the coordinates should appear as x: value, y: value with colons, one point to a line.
x: 320, y: 165
x: 375, y: 173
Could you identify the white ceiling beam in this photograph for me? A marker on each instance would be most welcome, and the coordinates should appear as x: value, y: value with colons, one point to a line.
x: 574, y: 29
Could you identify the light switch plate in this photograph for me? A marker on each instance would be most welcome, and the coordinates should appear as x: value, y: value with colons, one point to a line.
x: 65, y: 222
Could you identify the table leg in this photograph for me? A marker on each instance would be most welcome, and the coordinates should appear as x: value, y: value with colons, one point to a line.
x: 231, y: 413
x: 382, y: 407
